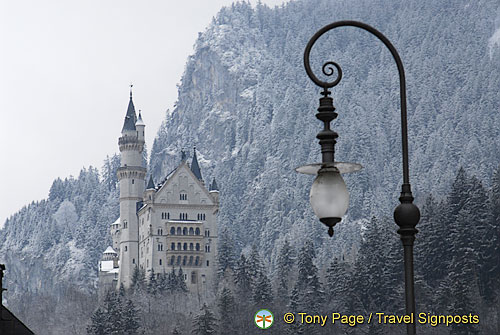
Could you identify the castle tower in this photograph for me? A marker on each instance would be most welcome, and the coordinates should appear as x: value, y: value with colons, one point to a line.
x: 131, y: 176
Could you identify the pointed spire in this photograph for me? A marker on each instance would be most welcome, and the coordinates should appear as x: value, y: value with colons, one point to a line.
x: 213, y: 186
x: 151, y: 184
x: 195, y: 168
x: 139, y: 121
x: 130, y: 117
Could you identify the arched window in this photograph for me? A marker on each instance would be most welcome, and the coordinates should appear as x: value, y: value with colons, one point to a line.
x: 185, y: 246
x: 178, y: 260
x: 197, y: 261
x: 172, y: 260
x: 160, y: 231
x: 179, y: 231
x: 184, y: 231
x: 172, y: 231
x: 191, y: 231
x: 193, y: 277
x: 197, y: 247
x: 172, y: 246
x: 160, y: 261
x: 184, y: 260
x: 191, y: 246
x: 160, y: 247
x: 197, y: 231
x: 179, y: 246
x: 190, y: 260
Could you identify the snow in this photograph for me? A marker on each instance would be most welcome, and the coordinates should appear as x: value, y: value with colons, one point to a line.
x: 494, y: 42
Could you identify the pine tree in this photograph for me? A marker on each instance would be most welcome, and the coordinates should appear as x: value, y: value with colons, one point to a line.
x: 242, y: 277
x: 98, y: 325
x: 262, y: 291
x: 226, y: 305
x: 336, y: 286
x: 131, y: 320
x: 181, y: 283
x: 308, y: 286
x: 225, y: 253
x: 152, y: 283
x: 205, y: 322
x: 255, y: 266
x: 138, y: 279
x: 284, y: 264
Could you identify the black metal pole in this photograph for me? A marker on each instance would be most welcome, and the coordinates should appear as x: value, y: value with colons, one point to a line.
x: 406, y: 214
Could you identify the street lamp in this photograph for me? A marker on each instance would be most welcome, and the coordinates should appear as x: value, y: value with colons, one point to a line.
x: 329, y: 196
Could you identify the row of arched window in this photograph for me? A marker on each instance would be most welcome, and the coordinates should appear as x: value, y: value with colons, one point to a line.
x: 184, y: 246
x: 184, y: 231
x: 185, y: 260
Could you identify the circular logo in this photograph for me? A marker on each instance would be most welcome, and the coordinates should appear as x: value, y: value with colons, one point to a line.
x: 264, y: 319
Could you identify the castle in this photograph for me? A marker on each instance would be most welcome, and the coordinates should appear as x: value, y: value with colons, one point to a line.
x: 164, y: 226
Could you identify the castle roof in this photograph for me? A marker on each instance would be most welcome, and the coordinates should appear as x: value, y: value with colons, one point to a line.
x: 213, y: 186
x: 139, y: 121
x: 195, y: 167
x: 109, y: 250
x: 151, y: 184
x: 130, y: 117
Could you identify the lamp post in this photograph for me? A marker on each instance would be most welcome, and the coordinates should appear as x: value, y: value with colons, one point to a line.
x: 329, y: 196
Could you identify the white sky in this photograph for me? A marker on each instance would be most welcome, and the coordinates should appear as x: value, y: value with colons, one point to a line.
x: 65, y: 70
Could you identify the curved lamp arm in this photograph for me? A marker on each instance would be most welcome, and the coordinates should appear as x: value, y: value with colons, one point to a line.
x: 406, y: 214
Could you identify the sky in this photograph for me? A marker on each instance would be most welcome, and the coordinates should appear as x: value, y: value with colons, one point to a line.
x: 65, y: 71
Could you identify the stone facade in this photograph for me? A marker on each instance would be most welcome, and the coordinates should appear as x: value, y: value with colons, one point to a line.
x: 170, y: 224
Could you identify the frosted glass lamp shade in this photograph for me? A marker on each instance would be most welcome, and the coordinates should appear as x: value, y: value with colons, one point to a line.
x: 329, y: 196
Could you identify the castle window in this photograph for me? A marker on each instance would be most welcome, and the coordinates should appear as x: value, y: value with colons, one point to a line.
x: 191, y: 246
x: 178, y: 260
x: 125, y: 224
x: 160, y: 261
x: 183, y: 196
x: 201, y: 217
x: 133, y: 260
x: 185, y: 246
x: 160, y: 247
x: 191, y: 231
x: 193, y: 277
x: 208, y: 263
x: 184, y: 231
x: 197, y: 261
x: 160, y: 231
x: 132, y: 181
x: 190, y: 260
x: 197, y: 247
x: 168, y: 215
x: 197, y: 231
x: 179, y: 246
x: 184, y: 260
x: 125, y: 248
x: 179, y: 231
x: 172, y: 231
x: 185, y: 277
x: 172, y: 260
x: 172, y: 246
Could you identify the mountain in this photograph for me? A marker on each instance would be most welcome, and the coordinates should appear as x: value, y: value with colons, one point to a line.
x: 248, y: 106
